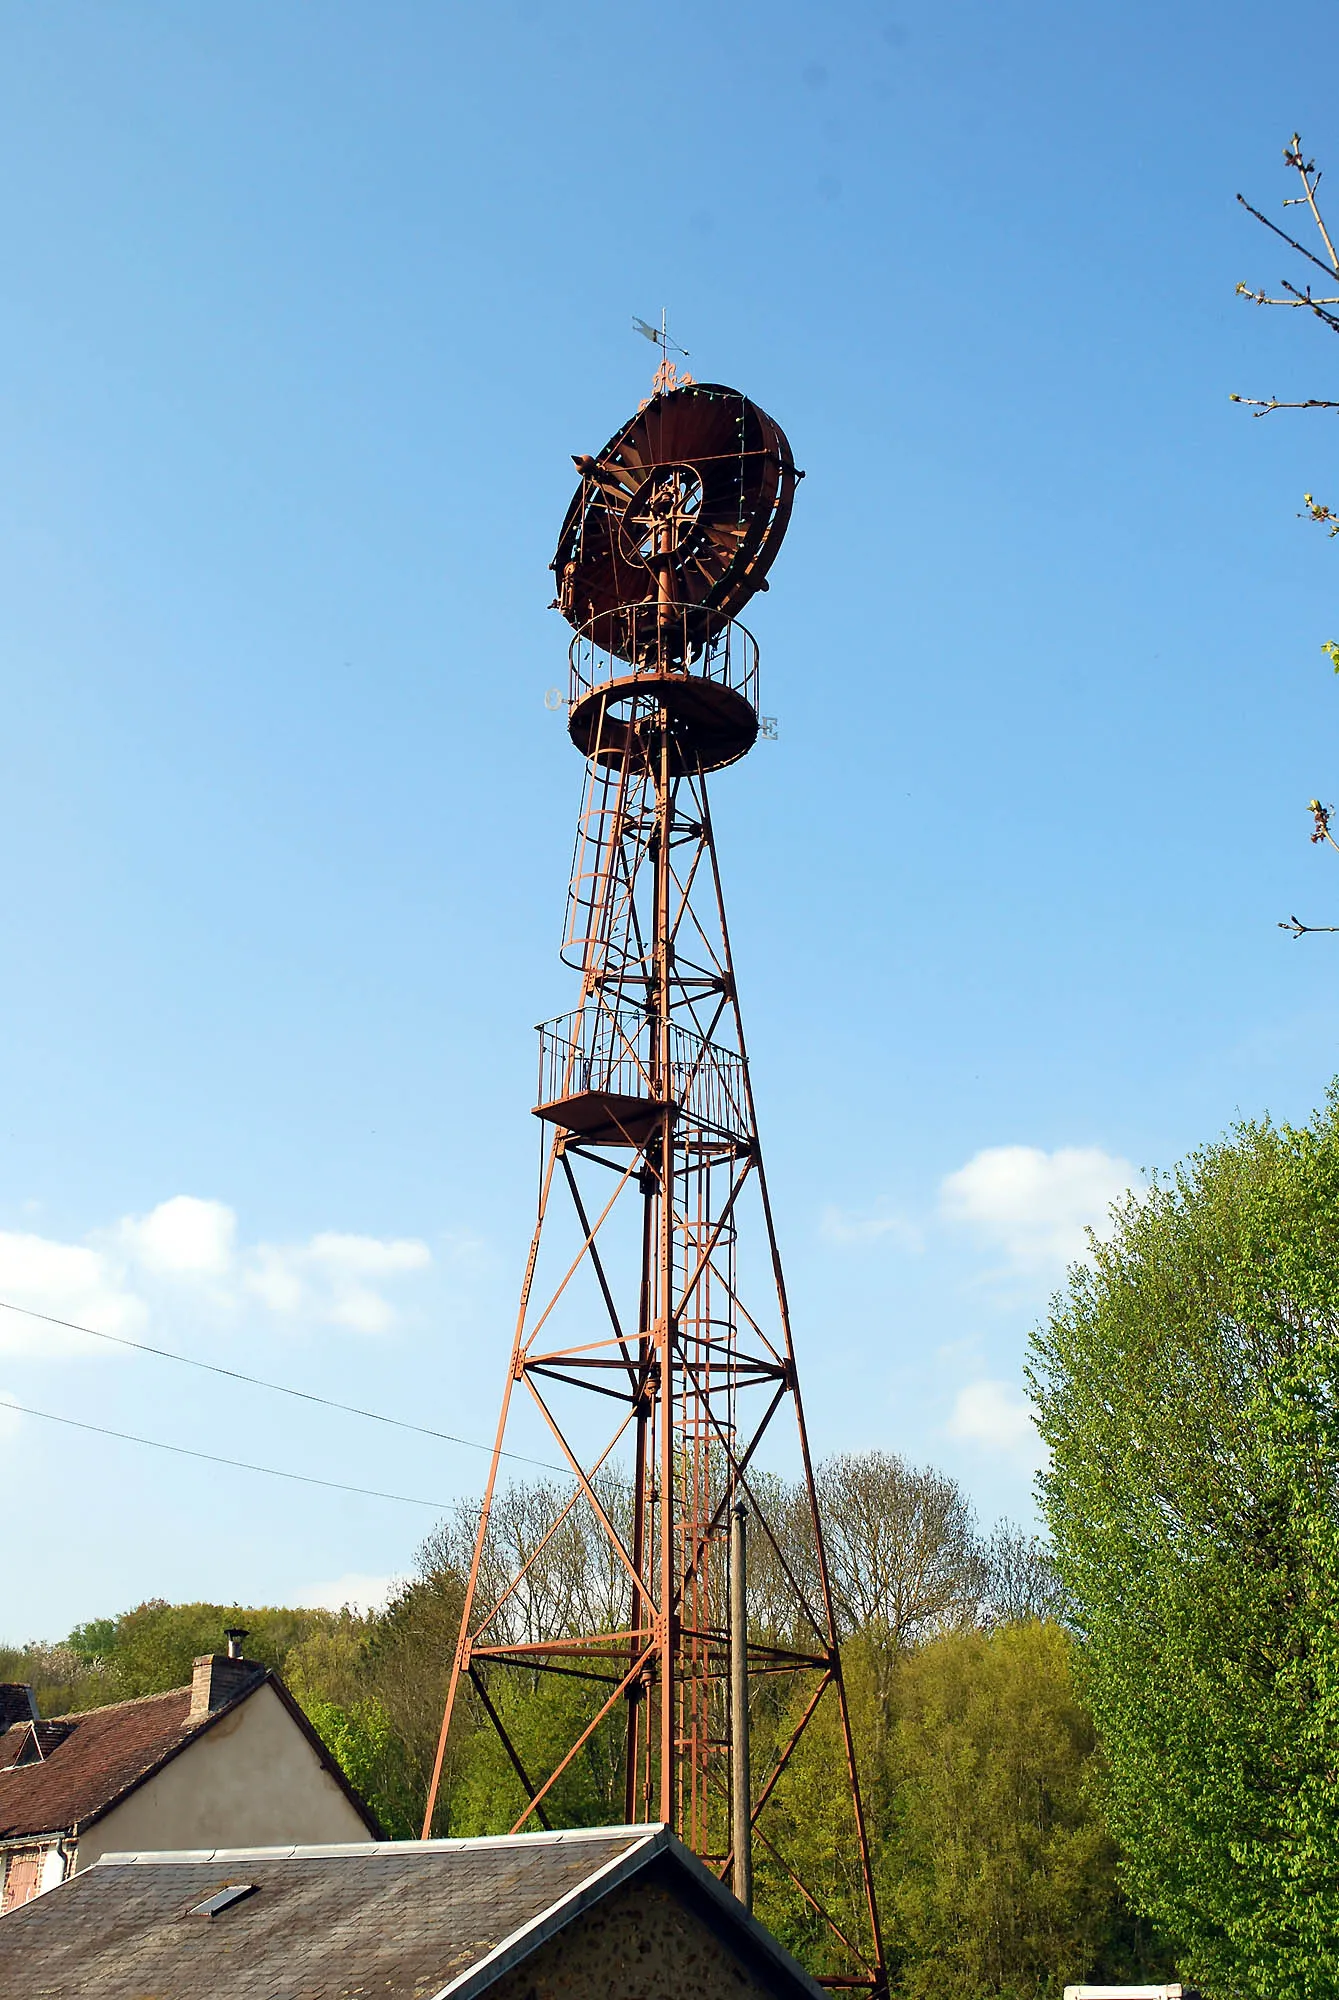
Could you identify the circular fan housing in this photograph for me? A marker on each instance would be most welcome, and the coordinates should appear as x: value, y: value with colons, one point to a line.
x: 686, y: 507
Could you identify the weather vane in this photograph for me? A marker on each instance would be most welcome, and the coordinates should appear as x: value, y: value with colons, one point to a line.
x: 667, y: 376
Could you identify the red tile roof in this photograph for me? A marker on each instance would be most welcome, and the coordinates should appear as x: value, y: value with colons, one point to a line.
x: 102, y: 1754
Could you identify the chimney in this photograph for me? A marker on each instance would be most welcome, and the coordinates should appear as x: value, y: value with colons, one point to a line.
x: 219, y: 1677
x: 17, y: 1704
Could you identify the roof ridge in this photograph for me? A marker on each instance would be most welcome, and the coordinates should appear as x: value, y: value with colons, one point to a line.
x: 127, y: 1701
x: 334, y: 1850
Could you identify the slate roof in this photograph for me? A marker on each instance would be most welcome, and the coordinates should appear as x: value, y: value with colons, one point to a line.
x: 404, y: 1920
x: 94, y: 1758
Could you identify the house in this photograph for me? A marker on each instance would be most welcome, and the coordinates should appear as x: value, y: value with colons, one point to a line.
x: 622, y: 1913
x: 231, y: 1759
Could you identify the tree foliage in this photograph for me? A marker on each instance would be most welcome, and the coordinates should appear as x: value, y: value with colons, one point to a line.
x: 150, y: 1648
x: 1000, y: 1872
x: 61, y: 1678
x: 153, y: 1646
x: 1188, y: 1387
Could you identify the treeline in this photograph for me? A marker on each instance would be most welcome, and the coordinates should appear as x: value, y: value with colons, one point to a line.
x: 996, y: 1873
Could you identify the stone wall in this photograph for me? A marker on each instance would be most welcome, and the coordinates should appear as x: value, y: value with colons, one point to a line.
x: 640, y: 1943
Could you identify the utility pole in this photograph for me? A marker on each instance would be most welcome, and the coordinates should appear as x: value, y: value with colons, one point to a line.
x: 741, y: 1783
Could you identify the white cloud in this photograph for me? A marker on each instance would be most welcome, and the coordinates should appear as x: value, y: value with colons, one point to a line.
x: 184, y: 1237
x: 68, y: 1281
x: 846, y: 1227
x: 995, y: 1417
x: 1036, y: 1206
x: 369, y: 1256
x: 327, y: 1278
x: 272, y: 1275
x: 187, y: 1247
x: 358, y: 1592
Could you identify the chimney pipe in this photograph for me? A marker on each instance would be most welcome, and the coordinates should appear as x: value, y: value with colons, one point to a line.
x: 235, y: 1634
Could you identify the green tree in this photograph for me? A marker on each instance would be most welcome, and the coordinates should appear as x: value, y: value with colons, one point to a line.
x: 407, y: 1664
x: 808, y: 1818
x: 978, y: 1764
x: 998, y: 1876
x: 374, y: 1760
x: 1188, y: 1387
x: 94, y: 1641
x: 61, y: 1677
x: 151, y: 1648
x: 397, y: 1660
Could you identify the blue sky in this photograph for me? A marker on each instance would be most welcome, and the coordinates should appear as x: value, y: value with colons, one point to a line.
x: 305, y: 310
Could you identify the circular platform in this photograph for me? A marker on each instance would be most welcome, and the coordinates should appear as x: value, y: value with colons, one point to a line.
x: 644, y: 664
x: 710, y: 725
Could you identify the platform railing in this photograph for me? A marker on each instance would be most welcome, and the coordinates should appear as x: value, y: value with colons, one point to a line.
x: 653, y: 641
x: 610, y: 1052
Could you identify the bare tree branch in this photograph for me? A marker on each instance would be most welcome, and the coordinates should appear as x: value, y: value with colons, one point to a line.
x: 1291, y: 241
x: 1298, y: 298
x: 1302, y: 298
x: 1321, y: 816
x: 1310, y: 181
x: 1262, y: 406
x: 1021, y: 1578
x: 1315, y: 511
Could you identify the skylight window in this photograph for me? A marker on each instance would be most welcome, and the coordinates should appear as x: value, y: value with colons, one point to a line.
x: 222, y: 1899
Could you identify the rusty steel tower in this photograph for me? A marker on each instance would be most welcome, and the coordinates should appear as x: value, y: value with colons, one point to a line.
x: 653, y: 1337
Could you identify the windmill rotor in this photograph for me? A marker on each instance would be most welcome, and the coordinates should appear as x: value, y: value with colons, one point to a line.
x: 686, y: 507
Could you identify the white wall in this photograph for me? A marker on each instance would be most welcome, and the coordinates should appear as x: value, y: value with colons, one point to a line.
x: 252, y: 1780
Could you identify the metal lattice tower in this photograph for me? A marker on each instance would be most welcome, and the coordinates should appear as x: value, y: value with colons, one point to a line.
x: 653, y: 1336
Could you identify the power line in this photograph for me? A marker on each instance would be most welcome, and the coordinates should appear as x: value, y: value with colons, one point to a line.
x: 237, y: 1464
x: 278, y: 1388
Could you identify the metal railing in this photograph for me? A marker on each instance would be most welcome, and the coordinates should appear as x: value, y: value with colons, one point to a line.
x: 658, y: 641
x: 612, y: 1052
